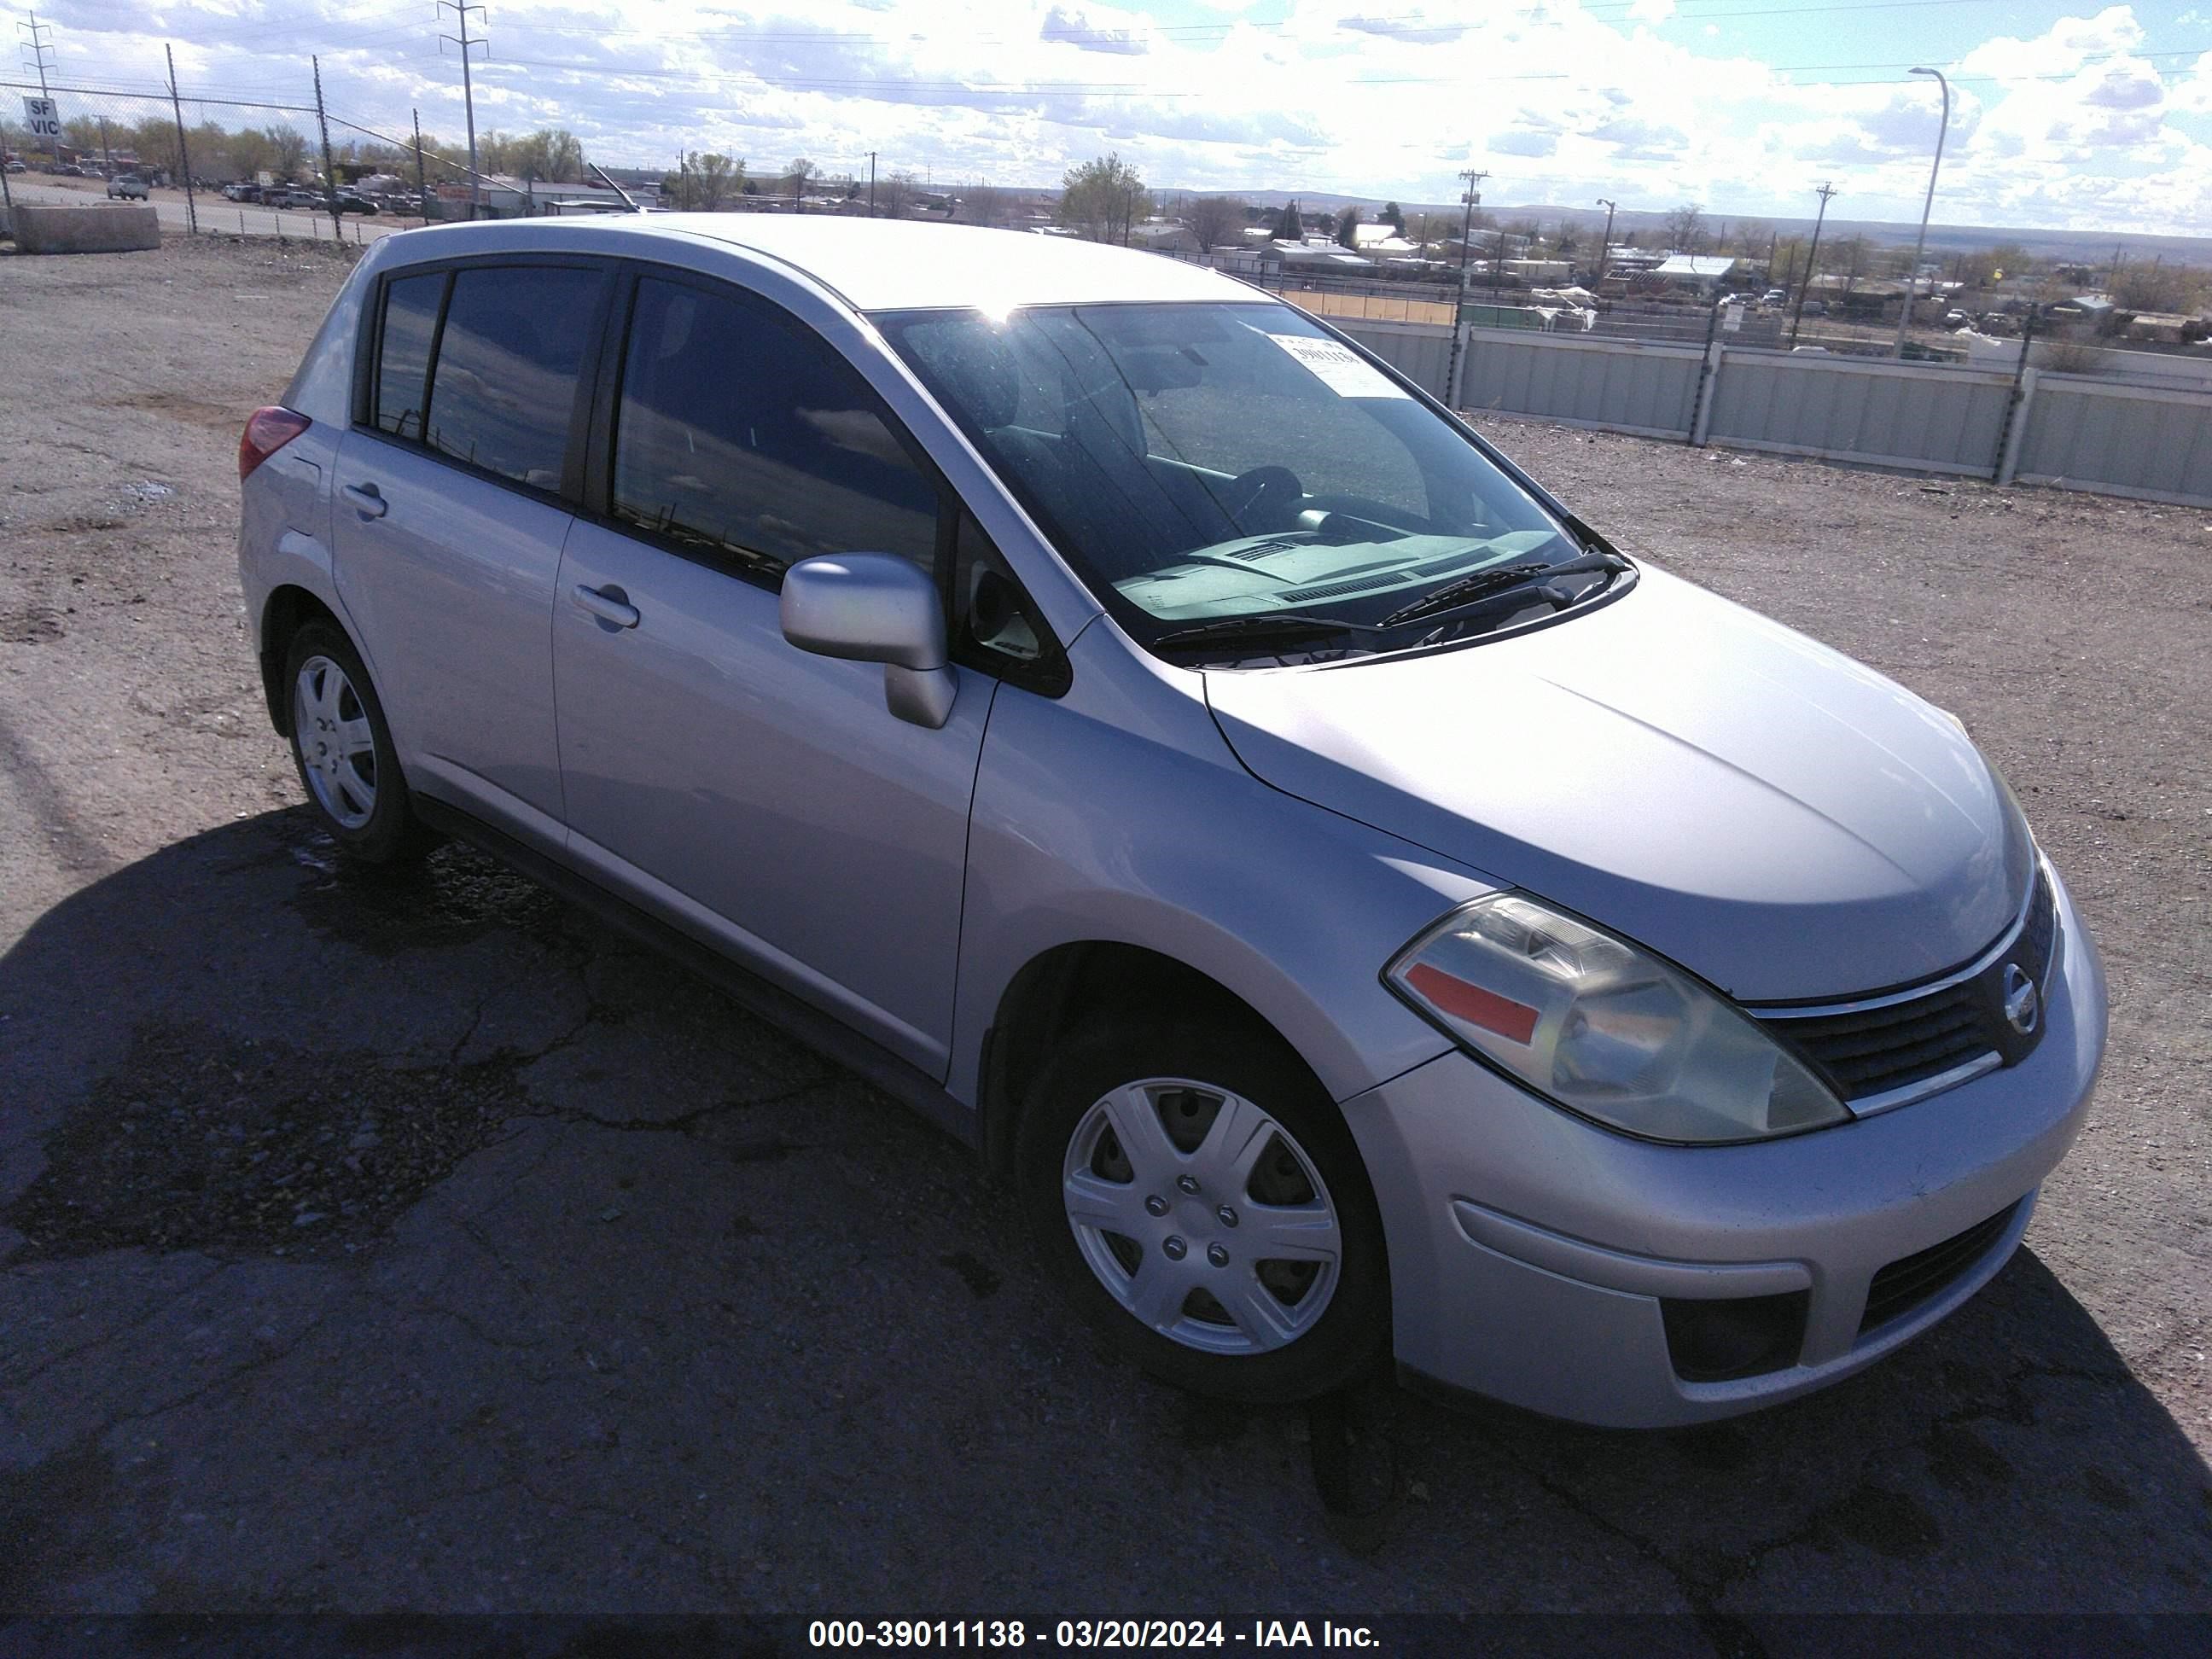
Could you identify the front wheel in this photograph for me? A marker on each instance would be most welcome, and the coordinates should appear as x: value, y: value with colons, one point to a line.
x: 1196, y: 1194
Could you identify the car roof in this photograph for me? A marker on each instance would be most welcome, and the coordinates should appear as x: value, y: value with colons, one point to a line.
x: 888, y: 265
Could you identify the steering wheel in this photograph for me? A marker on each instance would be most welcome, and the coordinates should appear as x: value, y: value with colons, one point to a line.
x: 1262, y: 498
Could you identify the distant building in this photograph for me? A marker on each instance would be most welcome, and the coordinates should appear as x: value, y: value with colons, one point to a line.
x: 1381, y: 242
x: 1700, y: 273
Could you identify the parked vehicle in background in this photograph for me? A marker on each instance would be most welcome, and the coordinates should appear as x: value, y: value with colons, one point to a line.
x: 1359, y: 908
x: 128, y: 186
x: 17, y: 167
x: 352, y: 201
x: 241, y: 192
x: 1774, y: 296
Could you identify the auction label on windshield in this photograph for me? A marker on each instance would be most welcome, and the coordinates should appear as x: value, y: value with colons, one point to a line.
x: 1340, y: 368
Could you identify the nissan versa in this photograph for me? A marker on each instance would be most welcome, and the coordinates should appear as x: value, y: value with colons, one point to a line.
x: 1359, y: 908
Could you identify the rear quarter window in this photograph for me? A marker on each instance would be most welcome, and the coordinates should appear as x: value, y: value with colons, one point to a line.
x: 403, y: 367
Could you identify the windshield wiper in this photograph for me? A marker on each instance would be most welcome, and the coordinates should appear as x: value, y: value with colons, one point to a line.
x: 1289, y: 627
x: 1499, y: 580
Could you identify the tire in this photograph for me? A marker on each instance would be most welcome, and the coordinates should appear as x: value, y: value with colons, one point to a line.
x: 342, y: 748
x: 1135, y: 1234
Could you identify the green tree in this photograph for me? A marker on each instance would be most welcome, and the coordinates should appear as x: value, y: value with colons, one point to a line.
x: 1347, y: 228
x: 1101, y: 198
x: 552, y: 154
x: 715, y: 177
x: 1290, y: 228
x: 1393, y: 217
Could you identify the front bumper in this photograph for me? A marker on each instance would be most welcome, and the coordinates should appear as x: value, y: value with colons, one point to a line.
x: 1530, y: 1251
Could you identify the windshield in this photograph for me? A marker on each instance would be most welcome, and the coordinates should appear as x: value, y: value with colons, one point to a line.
x: 1234, y: 483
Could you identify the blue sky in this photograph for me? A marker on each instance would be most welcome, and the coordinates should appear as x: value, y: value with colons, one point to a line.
x: 2084, y: 116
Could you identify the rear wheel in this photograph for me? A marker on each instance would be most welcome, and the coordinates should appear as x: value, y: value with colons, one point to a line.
x: 1198, y: 1196
x: 342, y: 748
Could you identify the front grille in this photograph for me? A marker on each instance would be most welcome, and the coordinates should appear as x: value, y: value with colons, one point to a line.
x: 1911, y: 1281
x: 1867, y: 1052
x: 1883, y: 1048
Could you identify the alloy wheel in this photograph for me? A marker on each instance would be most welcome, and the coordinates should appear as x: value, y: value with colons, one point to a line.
x: 338, y: 748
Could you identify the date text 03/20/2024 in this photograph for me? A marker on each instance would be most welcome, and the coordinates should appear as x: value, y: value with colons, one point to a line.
x: 1083, y: 1633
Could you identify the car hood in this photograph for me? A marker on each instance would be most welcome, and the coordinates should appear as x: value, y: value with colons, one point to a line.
x: 1776, y: 817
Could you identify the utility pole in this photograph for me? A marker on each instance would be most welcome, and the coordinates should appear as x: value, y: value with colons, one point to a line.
x: 1468, y: 198
x: 184, y: 155
x: 106, y: 154
x: 330, y: 162
x: 461, y: 10
x: 1913, y: 275
x: 872, y: 184
x: 36, y: 52
x: 1605, y: 245
x: 1812, y: 257
x: 421, y: 188
x: 1498, y: 268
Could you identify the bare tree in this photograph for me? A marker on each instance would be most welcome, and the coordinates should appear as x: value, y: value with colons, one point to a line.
x: 1215, y: 220
x: 798, y: 175
x: 1686, y: 228
x: 985, y: 205
x: 1848, y: 259
x: 894, y: 194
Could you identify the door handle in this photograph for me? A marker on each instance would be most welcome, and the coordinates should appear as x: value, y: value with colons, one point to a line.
x: 366, y: 500
x: 609, y: 605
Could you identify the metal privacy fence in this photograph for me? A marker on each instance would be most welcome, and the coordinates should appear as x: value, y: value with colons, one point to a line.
x: 2078, y: 432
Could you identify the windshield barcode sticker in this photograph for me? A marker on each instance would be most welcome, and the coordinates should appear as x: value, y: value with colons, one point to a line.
x: 1339, y: 367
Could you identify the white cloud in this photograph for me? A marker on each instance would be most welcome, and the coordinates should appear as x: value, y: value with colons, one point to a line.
x: 1563, y: 101
x: 1096, y: 29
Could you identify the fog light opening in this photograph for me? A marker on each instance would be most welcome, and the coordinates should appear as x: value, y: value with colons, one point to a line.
x: 1718, y: 1341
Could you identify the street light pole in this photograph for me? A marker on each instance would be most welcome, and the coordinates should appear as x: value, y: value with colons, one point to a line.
x: 1912, y: 277
x: 1605, y: 248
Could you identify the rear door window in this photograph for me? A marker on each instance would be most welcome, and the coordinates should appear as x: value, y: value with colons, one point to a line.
x: 503, y: 387
x: 741, y: 436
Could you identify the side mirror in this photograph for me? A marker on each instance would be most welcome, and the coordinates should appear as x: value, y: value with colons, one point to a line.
x: 875, y: 607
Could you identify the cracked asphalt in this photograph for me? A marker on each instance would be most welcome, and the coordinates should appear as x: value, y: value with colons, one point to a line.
x: 376, y: 1243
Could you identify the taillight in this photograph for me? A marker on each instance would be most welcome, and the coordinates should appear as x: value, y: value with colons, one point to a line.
x: 267, y: 431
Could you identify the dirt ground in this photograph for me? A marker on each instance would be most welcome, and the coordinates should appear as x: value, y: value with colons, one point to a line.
x: 414, y: 1244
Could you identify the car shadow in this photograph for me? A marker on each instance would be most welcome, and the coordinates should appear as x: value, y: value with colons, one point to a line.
x: 375, y: 1037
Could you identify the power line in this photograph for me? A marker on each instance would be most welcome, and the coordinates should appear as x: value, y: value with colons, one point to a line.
x: 1143, y: 89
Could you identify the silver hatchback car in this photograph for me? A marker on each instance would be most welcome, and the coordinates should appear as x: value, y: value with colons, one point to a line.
x: 1359, y: 909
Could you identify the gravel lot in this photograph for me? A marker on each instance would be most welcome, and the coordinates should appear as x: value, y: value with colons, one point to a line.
x: 375, y: 1243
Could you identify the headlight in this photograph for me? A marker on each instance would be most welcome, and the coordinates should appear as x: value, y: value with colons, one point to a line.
x: 1604, y: 1029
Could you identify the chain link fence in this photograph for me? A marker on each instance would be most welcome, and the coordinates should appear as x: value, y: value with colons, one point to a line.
x: 243, y: 164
